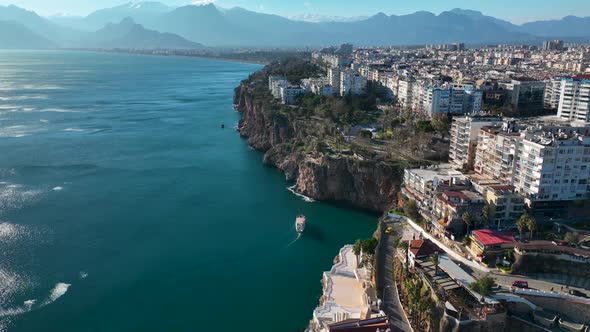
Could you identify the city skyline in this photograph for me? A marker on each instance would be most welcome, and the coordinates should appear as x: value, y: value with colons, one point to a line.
x: 521, y: 12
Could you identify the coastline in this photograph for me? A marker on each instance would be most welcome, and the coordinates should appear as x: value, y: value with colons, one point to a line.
x: 146, y: 53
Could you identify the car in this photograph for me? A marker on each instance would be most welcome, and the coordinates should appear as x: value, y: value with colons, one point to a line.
x: 520, y: 284
x: 388, y: 230
x: 576, y: 292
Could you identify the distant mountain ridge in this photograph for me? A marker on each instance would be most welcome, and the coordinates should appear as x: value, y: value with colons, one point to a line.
x: 128, y: 34
x: 238, y: 27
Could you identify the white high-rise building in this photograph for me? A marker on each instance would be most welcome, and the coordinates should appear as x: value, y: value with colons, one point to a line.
x: 404, y: 92
x: 351, y: 82
x: 574, y: 99
x: 333, y: 79
x: 464, y: 133
x: 552, y: 93
x: 553, y: 166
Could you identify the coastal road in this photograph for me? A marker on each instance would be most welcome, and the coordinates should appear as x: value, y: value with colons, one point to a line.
x: 386, y: 285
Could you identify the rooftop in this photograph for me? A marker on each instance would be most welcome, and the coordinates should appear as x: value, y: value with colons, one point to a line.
x: 488, y: 237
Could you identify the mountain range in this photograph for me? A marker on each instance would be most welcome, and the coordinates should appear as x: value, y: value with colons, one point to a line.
x: 155, y: 25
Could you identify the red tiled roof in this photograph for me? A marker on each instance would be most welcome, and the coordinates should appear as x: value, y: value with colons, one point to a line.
x: 582, y: 77
x: 488, y: 237
x: 421, y: 248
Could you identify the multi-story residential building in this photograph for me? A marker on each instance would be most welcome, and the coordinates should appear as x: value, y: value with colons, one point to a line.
x: 574, y: 100
x: 464, y: 132
x: 454, y: 99
x: 351, y: 82
x: 449, y: 207
x: 436, y: 100
x: 275, y: 83
x: 526, y: 94
x: 505, y: 206
x: 553, y: 45
x: 423, y: 184
x: 289, y: 94
x: 552, y: 93
x: 496, y: 151
x: 333, y: 78
x: 404, y: 92
x: 553, y: 166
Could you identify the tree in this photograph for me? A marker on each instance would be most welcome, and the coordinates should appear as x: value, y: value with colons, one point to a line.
x: 467, y: 219
x: 486, y: 214
x: 483, y: 285
x: 411, y: 210
x: 406, y: 248
x: 571, y: 238
x: 531, y: 224
x: 522, y: 223
x: 434, y: 258
x: 357, y: 250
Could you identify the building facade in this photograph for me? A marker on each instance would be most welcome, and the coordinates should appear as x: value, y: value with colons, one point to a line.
x: 574, y: 99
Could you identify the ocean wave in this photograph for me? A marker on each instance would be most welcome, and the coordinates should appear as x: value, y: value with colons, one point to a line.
x: 305, y: 198
x: 20, y: 98
x: 58, y: 188
x: 56, y: 292
x: 12, y: 232
x: 15, y: 196
x: 73, y: 130
x: 19, y: 131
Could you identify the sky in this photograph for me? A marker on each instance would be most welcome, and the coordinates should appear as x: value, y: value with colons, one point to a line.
x: 516, y: 11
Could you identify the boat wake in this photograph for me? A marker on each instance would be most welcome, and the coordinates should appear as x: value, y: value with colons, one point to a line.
x: 305, y: 198
x: 293, y: 242
x: 29, y: 305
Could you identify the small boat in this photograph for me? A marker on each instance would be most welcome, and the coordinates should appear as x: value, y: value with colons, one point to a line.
x: 300, y: 223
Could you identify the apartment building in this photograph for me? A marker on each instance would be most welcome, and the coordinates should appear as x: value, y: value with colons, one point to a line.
x: 464, y: 133
x: 574, y: 100
x: 505, y: 206
x: 333, y: 79
x: 351, y: 82
x: 552, y: 93
x: 496, y: 151
x: 526, y: 94
x: 275, y: 83
x: 288, y: 94
x: 553, y: 165
x: 423, y: 184
x: 404, y: 92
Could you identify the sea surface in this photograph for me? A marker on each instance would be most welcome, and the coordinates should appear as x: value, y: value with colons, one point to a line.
x: 125, y: 207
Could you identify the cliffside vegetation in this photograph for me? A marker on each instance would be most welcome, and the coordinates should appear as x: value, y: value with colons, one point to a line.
x: 351, y: 148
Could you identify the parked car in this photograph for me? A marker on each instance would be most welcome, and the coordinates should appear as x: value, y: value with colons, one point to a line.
x: 576, y: 292
x: 520, y: 284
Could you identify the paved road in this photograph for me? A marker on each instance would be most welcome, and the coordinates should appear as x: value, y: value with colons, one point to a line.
x: 387, y: 288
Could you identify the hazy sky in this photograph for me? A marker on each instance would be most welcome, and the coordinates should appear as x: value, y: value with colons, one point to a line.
x: 517, y: 11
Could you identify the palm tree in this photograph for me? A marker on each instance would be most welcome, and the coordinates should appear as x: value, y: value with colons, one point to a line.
x: 406, y: 247
x: 531, y: 225
x: 357, y: 250
x: 486, y: 213
x: 467, y: 220
x: 522, y: 223
x: 436, y: 260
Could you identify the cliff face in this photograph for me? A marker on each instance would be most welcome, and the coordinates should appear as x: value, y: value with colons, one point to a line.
x: 367, y: 184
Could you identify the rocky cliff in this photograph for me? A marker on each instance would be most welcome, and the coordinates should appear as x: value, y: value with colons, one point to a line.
x: 365, y: 183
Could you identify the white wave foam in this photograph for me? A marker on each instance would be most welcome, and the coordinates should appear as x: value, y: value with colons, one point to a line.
x: 18, y: 131
x: 58, y: 188
x: 15, y: 196
x: 20, y: 98
x: 43, y: 120
x: 83, y: 275
x: 10, y: 284
x: 58, y: 291
x: 73, y: 129
x: 57, y: 110
x: 305, y: 198
x: 12, y: 232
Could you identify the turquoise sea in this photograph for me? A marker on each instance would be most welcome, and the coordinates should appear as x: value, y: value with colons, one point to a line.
x: 125, y: 207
